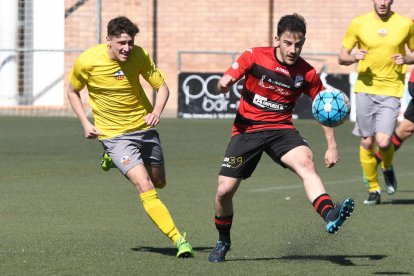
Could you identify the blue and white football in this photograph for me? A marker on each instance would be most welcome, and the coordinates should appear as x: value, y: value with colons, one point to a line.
x: 331, y: 107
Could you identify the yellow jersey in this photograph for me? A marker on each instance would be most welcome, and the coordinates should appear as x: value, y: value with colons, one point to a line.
x: 116, y: 96
x: 377, y: 73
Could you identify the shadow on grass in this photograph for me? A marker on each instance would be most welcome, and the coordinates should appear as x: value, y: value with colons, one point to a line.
x: 167, y: 251
x: 399, y: 202
x: 343, y: 260
x: 392, y: 273
x: 405, y: 191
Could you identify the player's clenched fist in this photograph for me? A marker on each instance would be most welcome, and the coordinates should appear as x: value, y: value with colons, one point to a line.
x: 225, y: 83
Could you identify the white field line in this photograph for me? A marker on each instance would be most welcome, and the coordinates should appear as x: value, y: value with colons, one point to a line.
x: 326, y: 183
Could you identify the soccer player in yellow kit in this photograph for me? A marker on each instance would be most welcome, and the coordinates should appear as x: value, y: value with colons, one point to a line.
x: 379, y: 38
x: 124, y: 119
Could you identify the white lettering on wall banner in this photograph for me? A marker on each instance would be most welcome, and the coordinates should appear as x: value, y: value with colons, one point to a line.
x: 199, y: 90
x: 190, y: 93
x: 198, y: 96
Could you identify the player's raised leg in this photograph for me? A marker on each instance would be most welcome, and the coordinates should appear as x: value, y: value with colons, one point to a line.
x: 300, y: 161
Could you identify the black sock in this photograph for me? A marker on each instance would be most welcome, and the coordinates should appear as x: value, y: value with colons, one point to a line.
x: 397, y: 141
x: 323, y: 204
x: 223, y: 225
x: 333, y: 214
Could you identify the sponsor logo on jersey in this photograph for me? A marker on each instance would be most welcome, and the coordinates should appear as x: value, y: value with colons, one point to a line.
x: 282, y: 91
x: 299, y: 81
x: 274, y: 82
x: 266, y: 103
x: 119, y: 75
x: 382, y: 32
x: 283, y: 70
x: 232, y: 162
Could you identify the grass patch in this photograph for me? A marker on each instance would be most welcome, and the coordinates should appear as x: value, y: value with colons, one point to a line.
x: 60, y: 214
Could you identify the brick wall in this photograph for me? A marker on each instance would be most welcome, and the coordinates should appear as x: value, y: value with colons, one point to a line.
x: 220, y: 25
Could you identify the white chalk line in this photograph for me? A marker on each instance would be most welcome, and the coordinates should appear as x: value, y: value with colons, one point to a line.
x: 326, y: 183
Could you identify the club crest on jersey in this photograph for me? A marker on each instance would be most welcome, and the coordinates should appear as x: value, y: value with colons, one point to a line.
x: 382, y: 32
x: 125, y: 160
x: 299, y: 81
x: 119, y: 75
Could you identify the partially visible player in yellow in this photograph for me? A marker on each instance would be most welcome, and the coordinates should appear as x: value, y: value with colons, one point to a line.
x: 379, y: 38
x: 124, y: 119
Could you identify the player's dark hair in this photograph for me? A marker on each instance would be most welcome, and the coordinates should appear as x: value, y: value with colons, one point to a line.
x: 293, y: 23
x: 120, y: 25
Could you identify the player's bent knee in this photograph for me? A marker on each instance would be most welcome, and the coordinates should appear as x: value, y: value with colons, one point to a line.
x: 304, y: 162
x: 224, y: 195
x: 410, y: 128
x: 225, y: 191
x: 307, y: 167
x: 384, y: 144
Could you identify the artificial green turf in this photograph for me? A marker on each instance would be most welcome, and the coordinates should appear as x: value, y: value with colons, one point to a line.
x: 60, y: 214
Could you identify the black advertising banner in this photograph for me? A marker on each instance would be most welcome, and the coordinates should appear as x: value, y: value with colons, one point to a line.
x: 198, y: 96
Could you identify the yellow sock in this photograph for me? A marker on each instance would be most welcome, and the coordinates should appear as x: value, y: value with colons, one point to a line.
x: 387, y: 157
x: 369, y: 168
x: 159, y: 214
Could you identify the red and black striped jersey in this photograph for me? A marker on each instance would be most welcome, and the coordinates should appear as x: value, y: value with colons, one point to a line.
x: 270, y: 89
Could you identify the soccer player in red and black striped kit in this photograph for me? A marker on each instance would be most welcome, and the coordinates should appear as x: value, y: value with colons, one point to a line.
x: 275, y: 77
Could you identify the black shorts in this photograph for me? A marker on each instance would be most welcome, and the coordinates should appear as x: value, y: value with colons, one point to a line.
x: 245, y: 150
x: 411, y: 89
x: 409, y: 112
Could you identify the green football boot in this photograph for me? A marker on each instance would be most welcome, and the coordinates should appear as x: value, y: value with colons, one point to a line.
x: 185, y: 250
x: 106, y: 162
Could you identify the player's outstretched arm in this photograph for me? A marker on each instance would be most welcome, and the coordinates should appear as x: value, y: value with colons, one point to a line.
x: 91, y: 132
x: 332, y: 154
